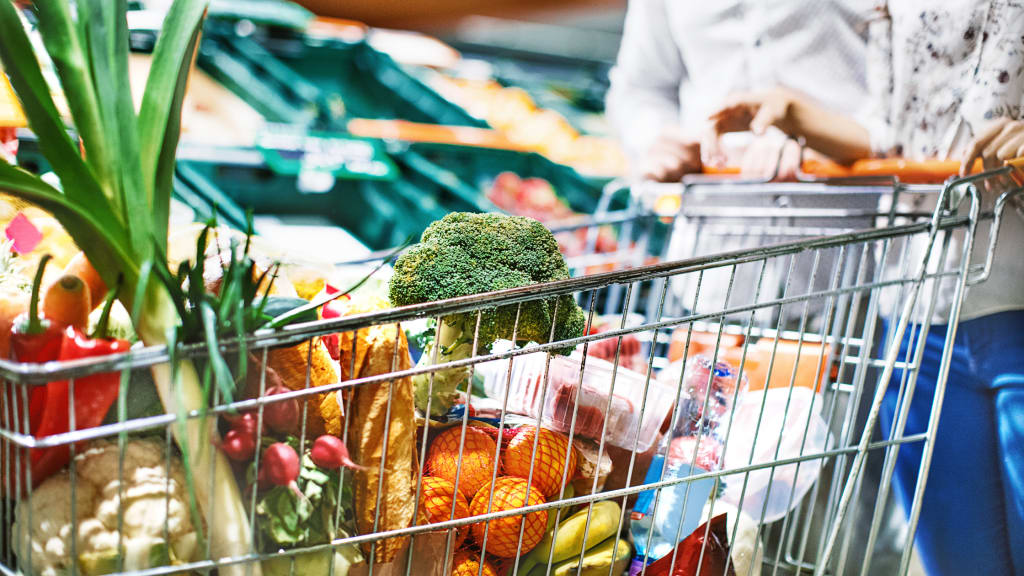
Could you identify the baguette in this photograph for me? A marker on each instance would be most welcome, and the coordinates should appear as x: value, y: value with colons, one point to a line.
x: 391, y: 455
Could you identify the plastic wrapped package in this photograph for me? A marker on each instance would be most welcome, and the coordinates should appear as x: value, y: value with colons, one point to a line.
x: 580, y: 405
x: 705, y: 552
x: 783, y: 433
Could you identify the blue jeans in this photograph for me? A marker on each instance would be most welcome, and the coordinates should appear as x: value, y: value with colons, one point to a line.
x: 972, y: 516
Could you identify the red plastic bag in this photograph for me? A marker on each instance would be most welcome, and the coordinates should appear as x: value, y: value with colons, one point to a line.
x: 687, y: 555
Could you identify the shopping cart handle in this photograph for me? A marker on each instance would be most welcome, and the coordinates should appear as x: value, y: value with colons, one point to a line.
x: 907, y: 171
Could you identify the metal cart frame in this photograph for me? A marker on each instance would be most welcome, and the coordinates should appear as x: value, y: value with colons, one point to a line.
x: 916, y: 283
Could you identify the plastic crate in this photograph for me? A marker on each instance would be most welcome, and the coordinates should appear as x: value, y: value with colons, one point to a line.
x: 381, y: 213
x: 477, y: 167
x: 573, y: 87
x: 300, y: 80
x: 197, y: 193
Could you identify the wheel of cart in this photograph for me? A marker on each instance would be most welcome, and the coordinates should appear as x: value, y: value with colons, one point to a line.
x: 578, y: 455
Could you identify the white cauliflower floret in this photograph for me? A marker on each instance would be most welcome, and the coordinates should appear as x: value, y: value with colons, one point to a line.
x: 155, y: 516
x: 51, y: 524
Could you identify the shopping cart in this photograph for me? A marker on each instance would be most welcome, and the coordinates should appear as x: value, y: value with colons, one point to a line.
x: 915, y: 260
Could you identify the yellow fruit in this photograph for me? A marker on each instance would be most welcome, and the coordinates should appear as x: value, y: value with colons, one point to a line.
x: 609, y: 557
x: 508, y: 493
x: 437, y: 499
x: 477, y: 463
x: 468, y: 564
x: 549, y: 466
x: 575, y: 532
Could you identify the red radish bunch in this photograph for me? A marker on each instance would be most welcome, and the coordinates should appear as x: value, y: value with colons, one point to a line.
x: 239, y: 444
x: 281, y: 466
x: 330, y: 453
x: 280, y: 416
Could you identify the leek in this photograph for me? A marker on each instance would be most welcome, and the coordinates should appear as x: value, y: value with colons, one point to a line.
x: 115, y: 202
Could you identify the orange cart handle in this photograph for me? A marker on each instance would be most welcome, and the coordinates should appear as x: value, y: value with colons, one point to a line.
x: 908, y: 171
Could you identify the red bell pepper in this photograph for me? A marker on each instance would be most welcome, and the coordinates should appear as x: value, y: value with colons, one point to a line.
x: 94, y: 395
x: 34, y: 340
x: 333, y: 309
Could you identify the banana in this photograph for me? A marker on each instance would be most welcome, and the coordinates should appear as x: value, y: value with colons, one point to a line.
x: 613, y: 553
x: 604, y: 522
x: 553, y: 513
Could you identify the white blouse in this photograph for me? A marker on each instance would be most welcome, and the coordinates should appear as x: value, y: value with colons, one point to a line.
x: 939, y: 71
x: 680, y: 59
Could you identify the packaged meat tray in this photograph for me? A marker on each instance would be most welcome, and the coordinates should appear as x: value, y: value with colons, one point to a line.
x: 589, y: 398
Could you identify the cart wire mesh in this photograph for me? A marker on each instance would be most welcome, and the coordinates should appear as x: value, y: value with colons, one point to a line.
x: 797, y: 318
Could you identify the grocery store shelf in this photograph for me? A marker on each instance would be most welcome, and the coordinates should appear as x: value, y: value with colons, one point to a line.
x: 441, y: 13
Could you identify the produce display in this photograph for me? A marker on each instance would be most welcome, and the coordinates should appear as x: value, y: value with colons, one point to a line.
x: 512, y: 111
x: 212, y: 405
x: 536, y: 198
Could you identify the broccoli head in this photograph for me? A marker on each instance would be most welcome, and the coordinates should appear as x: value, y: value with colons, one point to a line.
x: 465, y: 254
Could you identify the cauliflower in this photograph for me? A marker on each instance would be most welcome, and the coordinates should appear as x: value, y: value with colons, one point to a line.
x: 157, y: 528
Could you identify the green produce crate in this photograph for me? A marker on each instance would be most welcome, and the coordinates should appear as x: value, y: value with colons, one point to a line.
x: 265, y: 83
x: 275, y: 13
x: 381, y: 213
x: 200, y: 195
x: 320, y: 83
x: 477, y: 167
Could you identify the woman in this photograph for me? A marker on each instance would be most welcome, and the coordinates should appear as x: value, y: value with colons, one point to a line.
x: 946, y: 81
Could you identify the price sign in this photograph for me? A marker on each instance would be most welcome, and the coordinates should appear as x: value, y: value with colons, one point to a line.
x: 297, y: 152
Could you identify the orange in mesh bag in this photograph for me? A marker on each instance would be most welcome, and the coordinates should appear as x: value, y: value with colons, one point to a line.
x: 509, y: 493
x: 476, y: 466
x: 439, y: 502
x: 549, y: 464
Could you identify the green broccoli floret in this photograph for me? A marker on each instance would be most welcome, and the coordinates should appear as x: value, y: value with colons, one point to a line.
x: 464, y: 254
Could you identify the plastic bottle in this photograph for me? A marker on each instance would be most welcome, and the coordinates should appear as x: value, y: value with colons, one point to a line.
x: 693, y: 446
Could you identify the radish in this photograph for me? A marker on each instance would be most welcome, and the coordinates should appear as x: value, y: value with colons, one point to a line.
x: 246, y: 423
x: 330, y: 453
x: 282, y: 415
x: 281, y: 466
x: 238, y: 445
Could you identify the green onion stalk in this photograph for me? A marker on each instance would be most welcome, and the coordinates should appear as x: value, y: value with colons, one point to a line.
x: 114, y: 199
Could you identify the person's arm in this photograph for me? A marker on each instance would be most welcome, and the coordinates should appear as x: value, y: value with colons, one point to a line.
x: 643, y: 101
x: 837, y: 136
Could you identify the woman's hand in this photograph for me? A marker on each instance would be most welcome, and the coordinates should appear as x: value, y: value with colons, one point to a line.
x: 771, y: 156
x: 754, y: 112
x: 671, y: 157
x: 839, y: 137
x: 1001, y: 141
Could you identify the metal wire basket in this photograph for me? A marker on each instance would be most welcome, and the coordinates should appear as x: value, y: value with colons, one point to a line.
x: 760, y: 323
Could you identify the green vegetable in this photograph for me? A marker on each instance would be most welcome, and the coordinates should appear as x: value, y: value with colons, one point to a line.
x: 343, y: 558
x: 289, y: 521
x: 115, y: 202
x: 277, y: 305
x: 464, y: 254
x: 141, y: 399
